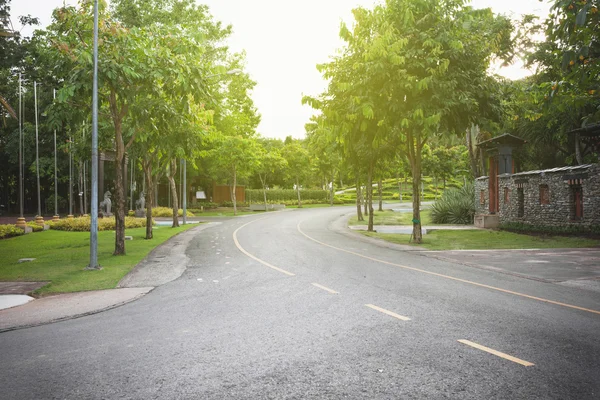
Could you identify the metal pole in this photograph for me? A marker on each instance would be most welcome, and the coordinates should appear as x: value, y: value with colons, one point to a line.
x: 20, y: 148
x: 55, y: 173
x: 37, y: 154
x: 131, y: 188
x: 85, y: 177
x: 94, y: 217
x: 184, y: 191
x: 70, y: 176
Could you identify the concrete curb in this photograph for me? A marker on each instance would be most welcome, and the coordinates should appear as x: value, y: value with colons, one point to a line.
x: 7, y: 313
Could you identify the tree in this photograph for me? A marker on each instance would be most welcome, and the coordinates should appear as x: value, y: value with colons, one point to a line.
x: 296, y: 157
x: 269, y: 162
x: 564, y: 93
x: 137, y: 63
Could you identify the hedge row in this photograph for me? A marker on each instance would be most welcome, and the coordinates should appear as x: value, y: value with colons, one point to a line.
x: 82, y: 224
x: 7, y: 231
x: 551, y: 230
x: 168, y: 212
x: 255, y: 196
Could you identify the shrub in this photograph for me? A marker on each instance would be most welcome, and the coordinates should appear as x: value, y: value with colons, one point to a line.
x: 168, y: 212
x: 456, y: 206
x: 35, y: 227
x: 7, y: 231
x: 206, y: 205
x: 230, y: 204
x: 255, y: 196
x: 569, y: 229
x: 82, y: 224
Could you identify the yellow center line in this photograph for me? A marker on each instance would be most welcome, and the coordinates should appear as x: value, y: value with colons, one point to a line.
x: 497, y: 353
x: 390, y: 313
x: 450, y: 277
x: 240, y: 248
x: 325, y: 288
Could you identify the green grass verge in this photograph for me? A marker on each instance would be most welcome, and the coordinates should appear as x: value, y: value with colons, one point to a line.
x: 60, y: 258
x: 389, y: 217
x: 216, y: 213
x: 475, y: 239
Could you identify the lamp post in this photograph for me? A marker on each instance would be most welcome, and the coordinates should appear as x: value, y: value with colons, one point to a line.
x: 21, y: 220
x: 55, y: 217
x: 93, y: 265
x: 39, y: 219
x: 234, y: 71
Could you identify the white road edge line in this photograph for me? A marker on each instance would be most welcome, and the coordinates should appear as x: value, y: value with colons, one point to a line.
x: 558, y: 303
x: 240, y: 248
x: 390, y: 313
x: 497, y: 353
x: 325, y: 288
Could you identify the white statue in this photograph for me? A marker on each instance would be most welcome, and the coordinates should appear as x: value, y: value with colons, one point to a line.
x: 106, y: 204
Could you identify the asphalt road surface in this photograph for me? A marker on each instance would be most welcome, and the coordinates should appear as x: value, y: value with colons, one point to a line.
x: 288, y: 306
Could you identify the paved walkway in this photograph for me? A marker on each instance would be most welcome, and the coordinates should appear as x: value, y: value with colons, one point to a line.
x: 164, y: 264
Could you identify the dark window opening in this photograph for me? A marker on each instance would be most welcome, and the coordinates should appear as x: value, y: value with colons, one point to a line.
x: 521, y: 202
x: 544, y: 194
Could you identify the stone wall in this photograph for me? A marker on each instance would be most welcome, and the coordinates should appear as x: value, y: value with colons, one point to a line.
x: 559, y: 210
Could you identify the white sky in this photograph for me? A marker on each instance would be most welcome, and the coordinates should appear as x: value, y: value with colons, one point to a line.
x: 284, y: 41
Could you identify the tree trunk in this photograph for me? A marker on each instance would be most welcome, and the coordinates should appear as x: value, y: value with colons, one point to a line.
x: 435, y: 180
x: 298, y: 192
x: 119, y: 206
x: 331, y: 194
x: 147, y: 165
x: 399, y: 186
x: 365, y: 198
x: 117, y: 114
x: 263, y: 181
x: 472, y: 150
x: 380, y: 190
x: 359, y: 214
x: 414, y: 154
x: 171, y: 176
x: 233, y: 197
x: 369, y: 202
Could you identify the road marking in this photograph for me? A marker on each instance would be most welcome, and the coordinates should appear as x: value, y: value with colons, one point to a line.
x: 392, y: 314
x: 497, y: 353
x: 451, y: 277
x: 240, y: 248
x: 325, y: 288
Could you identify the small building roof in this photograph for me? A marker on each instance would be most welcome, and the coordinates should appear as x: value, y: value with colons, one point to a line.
x: 588, y: 131
x: 554, y: 170
x: 504, y: 139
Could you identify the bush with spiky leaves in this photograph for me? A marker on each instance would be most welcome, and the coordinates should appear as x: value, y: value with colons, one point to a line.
x: 456, y: 206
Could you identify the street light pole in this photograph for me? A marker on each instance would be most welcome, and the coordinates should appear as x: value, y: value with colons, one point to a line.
x: 184, y: 192
x: 94, y: 206
x: 21, y: 219
x: 38, y: 219
x: 55, y: 175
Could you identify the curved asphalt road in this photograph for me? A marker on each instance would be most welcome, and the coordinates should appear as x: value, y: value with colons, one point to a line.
x: 289, y: 305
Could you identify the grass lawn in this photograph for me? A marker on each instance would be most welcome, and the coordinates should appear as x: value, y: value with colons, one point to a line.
x: 486, y: 240
x: 213, y: 213
x: 62, y: 256
x: 389, y: 217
